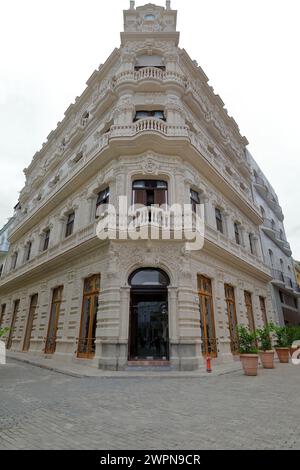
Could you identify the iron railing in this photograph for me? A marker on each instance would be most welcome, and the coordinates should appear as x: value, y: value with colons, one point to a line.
x: 85, y: 347
x: 50, y: 345
x: 210, y: 346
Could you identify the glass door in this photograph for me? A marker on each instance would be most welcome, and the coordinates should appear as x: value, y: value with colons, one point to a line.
x: 149, y: 326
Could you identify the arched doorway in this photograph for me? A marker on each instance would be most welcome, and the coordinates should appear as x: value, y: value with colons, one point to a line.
x: 149, y: 319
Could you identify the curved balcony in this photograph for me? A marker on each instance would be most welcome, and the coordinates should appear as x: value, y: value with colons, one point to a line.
x: 146, y: 74
x: 149, y: 125
x: 107, y: 143
x: 276, y: 236
x: 264, y: 192
x: 284, y: 280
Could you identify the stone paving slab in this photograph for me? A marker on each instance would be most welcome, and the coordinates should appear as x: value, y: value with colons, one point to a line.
x: 41, y: 409
x: 82, y: 370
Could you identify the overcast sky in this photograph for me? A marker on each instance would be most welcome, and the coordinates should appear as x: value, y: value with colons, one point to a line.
x: 249, y: 49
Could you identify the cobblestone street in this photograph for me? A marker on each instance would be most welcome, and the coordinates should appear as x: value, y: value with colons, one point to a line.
x: 41, y: 409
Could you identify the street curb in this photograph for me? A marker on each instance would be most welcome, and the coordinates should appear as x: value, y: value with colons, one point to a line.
x: 145, y: 375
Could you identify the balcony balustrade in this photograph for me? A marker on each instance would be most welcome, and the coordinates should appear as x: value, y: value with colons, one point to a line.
x: 269, y: 227
x: 285, y: 280
x: 263, y: 190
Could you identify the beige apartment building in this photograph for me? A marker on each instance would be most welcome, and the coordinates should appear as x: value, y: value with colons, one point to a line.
x: 148, y: 126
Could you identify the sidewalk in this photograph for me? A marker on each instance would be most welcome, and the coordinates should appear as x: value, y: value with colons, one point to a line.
x: 83, y: 371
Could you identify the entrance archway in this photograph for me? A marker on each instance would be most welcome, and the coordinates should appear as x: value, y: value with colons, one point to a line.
x: 149, y: 318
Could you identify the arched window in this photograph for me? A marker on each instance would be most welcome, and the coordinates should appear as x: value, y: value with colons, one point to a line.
x: 149, y: 277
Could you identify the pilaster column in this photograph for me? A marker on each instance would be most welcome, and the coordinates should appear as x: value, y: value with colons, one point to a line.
x: 124, y: 313
x: 173, y: 319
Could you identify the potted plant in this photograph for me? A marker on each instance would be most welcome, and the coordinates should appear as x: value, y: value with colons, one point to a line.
x: 248, y: 350
x: 282, y: 343
x: 266, y: 353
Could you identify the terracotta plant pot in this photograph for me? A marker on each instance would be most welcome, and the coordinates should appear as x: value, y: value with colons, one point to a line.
x: 267, y: 359
x: 249, y: 363
x: 283, y: 355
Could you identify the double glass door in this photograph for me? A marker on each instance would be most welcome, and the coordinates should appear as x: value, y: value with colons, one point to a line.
x: 149, y: 333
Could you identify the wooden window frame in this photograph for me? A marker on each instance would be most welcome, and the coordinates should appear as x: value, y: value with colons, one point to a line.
x: 30, y: 320
x: 250, y: 314
x: 147, y: 186
x: 50, y: 344
x: 203, y: 296
x: 13, y: 323
x: 230, y: 300
x: 262, y: 304
x: 93, y: 293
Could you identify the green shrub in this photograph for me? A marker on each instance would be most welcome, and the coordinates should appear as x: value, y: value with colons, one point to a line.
x: 282, y: 336
x: 247, y: 340
x: 264, y: 337
x: 293, y: 334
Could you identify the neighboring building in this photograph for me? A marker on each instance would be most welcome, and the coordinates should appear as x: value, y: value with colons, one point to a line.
x: 297, y: 272
x: 4, y: 244
x: 147, y: 126
x: 276, y: 249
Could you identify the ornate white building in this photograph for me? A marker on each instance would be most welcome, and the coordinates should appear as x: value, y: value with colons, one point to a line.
x: 148, y: 126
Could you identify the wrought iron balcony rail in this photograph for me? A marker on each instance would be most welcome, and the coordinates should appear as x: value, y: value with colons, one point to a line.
x: 210, y: 346
x: 86, y: 346
x: 50, y: 345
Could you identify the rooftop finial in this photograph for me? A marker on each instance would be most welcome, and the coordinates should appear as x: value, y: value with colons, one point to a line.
x: 168, y: 4
x: 132, y: 3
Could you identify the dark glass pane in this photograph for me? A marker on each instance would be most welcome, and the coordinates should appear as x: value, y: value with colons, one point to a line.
x: 151, y: 337
x: 150, y: 184
x: 151, y: 277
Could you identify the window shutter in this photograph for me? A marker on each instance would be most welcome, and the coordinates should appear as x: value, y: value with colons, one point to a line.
x: 160, y: 197
x: 140, y: 196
